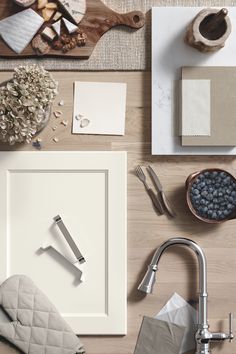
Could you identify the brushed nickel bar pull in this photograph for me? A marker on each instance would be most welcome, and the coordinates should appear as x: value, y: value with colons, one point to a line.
x: 69, y: 239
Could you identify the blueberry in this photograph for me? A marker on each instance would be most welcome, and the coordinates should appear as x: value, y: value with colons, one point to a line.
x: 215, y: 200
x: 206, y: 174
x: 214, y: 215
x: 210, y: 212
x: 204, y: 194
x: 222, y: 174
x: 210, y: 206
x: 230, y: 206
x: 202, y: 184
x: 233, y: 194
x: 209, y: 196
x: 215, y: 174
x: 220, y: 194
x: 196, y: 191
x: 215, y: 193
x: 225, y: 212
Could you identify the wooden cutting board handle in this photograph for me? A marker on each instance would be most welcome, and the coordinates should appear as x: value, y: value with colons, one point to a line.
x: 97, y: 22
x: 133, y: 19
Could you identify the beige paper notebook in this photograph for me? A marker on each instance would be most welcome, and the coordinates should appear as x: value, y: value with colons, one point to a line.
x: 222, y: 105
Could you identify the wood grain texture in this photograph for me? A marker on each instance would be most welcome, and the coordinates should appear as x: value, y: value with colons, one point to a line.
x: 97, y: 21
x: 178, y: 267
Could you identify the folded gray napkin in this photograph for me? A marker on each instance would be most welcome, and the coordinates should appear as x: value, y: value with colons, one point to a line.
x: 159, y: 337
x: 36, y: 327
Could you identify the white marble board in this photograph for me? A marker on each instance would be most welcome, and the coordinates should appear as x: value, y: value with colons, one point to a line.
x: 169, y: 54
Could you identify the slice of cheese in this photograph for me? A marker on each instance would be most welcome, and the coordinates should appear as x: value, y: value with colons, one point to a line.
x: 42, y: 4
x: 57, y: 16
x: 71, y: 28
x: 51, y: 5
x: 47, y: 13
x: 75, y: 8
x: 18, y: 30
x: 57, y: 27
x: 49, y: 33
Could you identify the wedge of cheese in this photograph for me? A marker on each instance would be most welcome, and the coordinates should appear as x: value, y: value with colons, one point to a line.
x: 57, y: 27
x: 75, y: 9
x: 71, y: 28
x: 18, y: 30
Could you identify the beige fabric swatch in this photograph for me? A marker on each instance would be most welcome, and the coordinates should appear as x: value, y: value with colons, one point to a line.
x: 196, y: 107
x: 159, y: 337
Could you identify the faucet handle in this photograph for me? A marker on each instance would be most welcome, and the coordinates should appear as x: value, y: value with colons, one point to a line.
x: 231, y: 334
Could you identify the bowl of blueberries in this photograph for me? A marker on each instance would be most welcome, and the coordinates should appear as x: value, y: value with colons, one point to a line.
x: 211, y: 195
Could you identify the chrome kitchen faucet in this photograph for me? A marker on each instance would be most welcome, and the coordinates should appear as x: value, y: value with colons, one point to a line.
x: 203, y: 336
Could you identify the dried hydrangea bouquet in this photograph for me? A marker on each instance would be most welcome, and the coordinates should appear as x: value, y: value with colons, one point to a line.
x: 25, y: 103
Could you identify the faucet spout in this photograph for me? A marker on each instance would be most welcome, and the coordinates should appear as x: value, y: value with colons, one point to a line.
x: 149, y: 279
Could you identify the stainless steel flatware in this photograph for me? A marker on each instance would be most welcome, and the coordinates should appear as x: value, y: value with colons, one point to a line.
x: 140, y: 174
x: 160, y: 192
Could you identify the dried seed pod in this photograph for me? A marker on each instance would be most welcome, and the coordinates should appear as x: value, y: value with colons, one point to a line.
x: 56, y: 140
x: 84, y: 123
x: 61, y: 103
x: 65, y: 123
x: 57, y: 114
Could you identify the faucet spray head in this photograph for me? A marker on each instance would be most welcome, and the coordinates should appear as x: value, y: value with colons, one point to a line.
x: 148, y: 281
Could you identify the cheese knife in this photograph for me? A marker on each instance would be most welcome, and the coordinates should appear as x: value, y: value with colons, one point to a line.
x: 160, y: 191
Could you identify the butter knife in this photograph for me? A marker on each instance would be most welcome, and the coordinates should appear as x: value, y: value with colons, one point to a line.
x: 160, y: 191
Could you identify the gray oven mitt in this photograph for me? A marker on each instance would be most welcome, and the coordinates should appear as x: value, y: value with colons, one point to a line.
x: 36, y: 327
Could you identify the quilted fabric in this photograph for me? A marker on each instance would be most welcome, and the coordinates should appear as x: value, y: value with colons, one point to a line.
x: 36, y: 327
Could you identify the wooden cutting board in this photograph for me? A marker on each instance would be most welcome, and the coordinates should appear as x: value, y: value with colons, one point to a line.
x: 97, y: 21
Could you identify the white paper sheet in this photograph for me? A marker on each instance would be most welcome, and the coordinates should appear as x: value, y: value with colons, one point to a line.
x: 103, y: 104
x: 179, y: 312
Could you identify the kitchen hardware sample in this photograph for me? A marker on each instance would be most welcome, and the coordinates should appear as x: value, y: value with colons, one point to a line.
x: 159, y: 188
x: 155, y: 201
x: 88, y: 189
x: 169, y: 54
x: 204, y: 338
x: 79, y: 44
x: 69, y: 239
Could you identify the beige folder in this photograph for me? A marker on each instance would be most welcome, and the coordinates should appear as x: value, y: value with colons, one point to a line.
x: 222, y: 105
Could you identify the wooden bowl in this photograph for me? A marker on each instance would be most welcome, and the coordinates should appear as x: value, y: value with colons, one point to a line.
x: 188, y: 184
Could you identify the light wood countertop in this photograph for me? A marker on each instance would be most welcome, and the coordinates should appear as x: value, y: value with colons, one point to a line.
x: 178, y: 268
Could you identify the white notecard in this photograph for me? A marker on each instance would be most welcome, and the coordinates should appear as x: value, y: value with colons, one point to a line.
x: 196, y: 107
x: 103, y: 104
